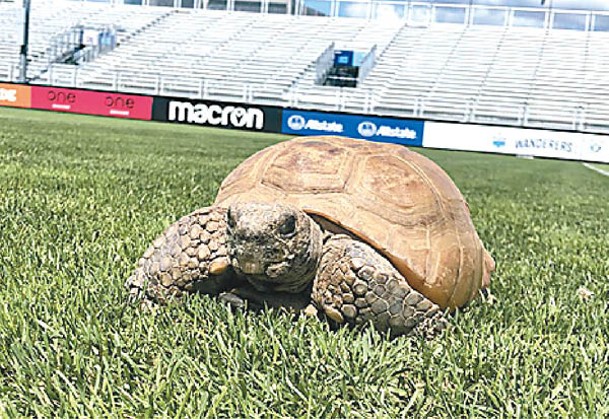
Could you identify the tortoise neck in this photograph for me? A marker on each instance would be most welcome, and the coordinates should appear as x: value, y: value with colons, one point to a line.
x: 312, y: 258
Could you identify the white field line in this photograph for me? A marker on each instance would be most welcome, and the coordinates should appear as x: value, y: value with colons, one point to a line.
x: 596, y: 169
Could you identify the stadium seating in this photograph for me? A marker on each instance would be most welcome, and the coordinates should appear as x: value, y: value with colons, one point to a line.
x: 50, y: 18
x: 511, y: 75
x: 236, y: 56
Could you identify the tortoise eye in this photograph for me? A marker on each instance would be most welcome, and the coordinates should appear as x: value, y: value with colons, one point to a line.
x: 288, y: 228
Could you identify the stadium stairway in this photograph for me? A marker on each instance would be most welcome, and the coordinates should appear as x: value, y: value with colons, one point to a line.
x: 305, y: 93
x: 130, y: 26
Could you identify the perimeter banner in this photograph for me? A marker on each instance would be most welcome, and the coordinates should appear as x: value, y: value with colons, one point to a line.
x: 385, y: 129
x: 517, y: 141
x: 15, y: 95
x: 217, y: 114
x: 117, y: 105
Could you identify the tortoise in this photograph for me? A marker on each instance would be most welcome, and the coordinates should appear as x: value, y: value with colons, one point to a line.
x: 357, y: 231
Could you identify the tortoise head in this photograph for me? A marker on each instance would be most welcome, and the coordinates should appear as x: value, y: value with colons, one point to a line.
x: 276, y: 247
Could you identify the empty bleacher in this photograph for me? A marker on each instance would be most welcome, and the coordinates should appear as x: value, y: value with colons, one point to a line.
x: 237, y: 56
x: 514, y: 75
x: 51, y: 18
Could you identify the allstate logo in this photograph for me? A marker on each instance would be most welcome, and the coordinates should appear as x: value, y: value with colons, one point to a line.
x: 367, y: 129
x: 595, y: 148
x: 296, y: 122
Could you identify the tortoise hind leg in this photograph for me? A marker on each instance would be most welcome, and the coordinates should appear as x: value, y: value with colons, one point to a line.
x: 356, y: 285
x: 190, y: 256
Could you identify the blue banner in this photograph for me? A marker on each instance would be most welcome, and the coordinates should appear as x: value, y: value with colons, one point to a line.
x: 343, y: 58
x: 389, y: 130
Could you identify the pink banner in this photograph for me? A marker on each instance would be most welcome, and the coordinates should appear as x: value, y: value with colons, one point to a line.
x: 88, y: 102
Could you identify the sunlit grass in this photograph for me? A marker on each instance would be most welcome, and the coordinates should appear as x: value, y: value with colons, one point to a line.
x: 604, y: 167
x: 81, y: 198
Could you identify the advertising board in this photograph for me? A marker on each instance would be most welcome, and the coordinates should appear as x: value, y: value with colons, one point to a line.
x: 517, y: 141
x: 595, y: 148
x: 217, y: 114
x: 89, y: 102
x: 442, y: 135
x: 15, y: 95
x: 374, y: 128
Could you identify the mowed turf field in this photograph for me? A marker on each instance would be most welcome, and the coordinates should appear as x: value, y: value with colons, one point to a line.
x: 603, y: 167
x: 81, y: 198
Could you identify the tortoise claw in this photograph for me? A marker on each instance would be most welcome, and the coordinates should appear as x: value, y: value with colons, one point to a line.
x: 219, y: 266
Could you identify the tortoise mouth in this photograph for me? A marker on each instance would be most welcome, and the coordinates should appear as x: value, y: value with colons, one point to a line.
x: 269, y: 275
x: 250, y: 267
x: 259, y: 266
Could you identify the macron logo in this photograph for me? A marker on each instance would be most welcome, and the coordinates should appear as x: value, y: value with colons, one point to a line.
x: 8, y: 95
x: 201, y: 113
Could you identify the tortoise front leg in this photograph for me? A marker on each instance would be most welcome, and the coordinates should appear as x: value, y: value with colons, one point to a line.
x: 190, y: 256
x: 356, y: 285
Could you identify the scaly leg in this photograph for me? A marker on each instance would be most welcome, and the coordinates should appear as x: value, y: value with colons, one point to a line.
x: 356, y: 285
x: 190, y: 256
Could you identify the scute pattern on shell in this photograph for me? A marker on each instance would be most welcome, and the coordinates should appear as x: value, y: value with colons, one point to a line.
x: 396, y: 200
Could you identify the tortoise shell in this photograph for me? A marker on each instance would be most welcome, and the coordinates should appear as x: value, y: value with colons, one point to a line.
x: 396, y: 200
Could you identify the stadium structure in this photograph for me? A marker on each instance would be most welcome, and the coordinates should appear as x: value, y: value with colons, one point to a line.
x: 524, y: 67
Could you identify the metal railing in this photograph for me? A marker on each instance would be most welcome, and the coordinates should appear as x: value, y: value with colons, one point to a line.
x: 420, y: 13
x: 324, y: 63
x: 365, y: 101
x: 9, y: 72
x: 367, y: 64
x: 61, y: 44
x: 72, y: 44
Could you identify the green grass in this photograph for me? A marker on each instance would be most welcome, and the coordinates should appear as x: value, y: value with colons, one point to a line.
x: 81, y: 197
x: 602, y: 166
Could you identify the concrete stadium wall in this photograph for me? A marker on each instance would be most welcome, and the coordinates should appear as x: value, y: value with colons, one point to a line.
x: 410, y: 132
